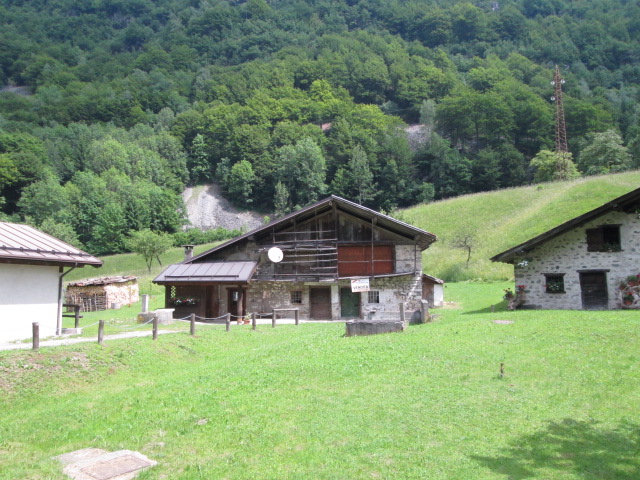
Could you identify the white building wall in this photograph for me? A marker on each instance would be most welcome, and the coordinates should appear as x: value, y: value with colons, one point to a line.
x: 568, y: 254
x: 438, y: 295
x: 28, y: 293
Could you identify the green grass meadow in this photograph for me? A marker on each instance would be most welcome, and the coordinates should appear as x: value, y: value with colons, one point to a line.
x: 306, y: 402
x: 503, y: 219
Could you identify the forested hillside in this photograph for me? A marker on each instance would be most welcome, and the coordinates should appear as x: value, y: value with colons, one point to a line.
x: 110, y: 107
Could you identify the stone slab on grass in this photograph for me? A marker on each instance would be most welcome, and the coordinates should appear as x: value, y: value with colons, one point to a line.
x: 357, y: 328
x: 97, y: 464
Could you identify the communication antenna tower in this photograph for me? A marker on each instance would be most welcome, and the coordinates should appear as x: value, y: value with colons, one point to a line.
x: 561, y: 129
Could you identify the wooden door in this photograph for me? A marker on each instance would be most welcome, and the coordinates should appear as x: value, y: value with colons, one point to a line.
x: 320, y: 303
x: 595, y: 295
x: 349, y: 303
x: 212, y: 302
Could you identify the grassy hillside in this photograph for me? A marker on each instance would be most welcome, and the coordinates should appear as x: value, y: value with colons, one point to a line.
x: 502, y: 219
x: 306, y: 402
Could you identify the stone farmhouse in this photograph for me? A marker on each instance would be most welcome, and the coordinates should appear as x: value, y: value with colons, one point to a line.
x: 331, y: 260
x: 32, y: 267
x: 589, y: 262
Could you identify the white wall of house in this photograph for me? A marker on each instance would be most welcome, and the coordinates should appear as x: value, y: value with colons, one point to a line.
x: 28, y: 293
x: 438, y: 295
x: 567, y: 254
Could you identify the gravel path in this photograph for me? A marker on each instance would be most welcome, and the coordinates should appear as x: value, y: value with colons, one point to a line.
x: 72, y: 341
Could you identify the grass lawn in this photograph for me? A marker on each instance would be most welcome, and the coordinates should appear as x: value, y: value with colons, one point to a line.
x: 305, y: 402
x: 502, y: 219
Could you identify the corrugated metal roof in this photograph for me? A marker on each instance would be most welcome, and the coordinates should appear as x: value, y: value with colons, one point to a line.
x: 24, y: 244
x: 91, y: 282
x: 208, y: 272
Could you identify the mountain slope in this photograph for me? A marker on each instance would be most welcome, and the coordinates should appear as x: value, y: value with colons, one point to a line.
x: 502, y: 219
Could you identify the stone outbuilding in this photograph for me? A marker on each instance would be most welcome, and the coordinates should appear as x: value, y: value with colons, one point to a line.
x: 32, y: 269
x: 103, y: 293
x: 591, y: 262
x: 334, y: 259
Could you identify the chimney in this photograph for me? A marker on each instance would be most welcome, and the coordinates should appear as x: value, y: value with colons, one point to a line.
x: 188, y: 252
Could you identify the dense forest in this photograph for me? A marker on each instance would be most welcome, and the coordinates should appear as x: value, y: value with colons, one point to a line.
x: 109, y: 108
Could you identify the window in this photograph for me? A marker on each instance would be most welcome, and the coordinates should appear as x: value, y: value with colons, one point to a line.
x: 296, y: 296
x: 554, y: 283
x: 604, y: 239
x: 374, y: 296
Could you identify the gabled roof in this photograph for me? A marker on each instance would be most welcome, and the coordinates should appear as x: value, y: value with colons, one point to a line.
x: 25, y: 245
x: 422, y: 237
x: 627, y: 202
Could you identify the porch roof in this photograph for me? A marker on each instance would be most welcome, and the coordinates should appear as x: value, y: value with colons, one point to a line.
x: 207, y: 272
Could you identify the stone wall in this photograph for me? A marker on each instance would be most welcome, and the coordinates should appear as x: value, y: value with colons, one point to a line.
x: 264, y: 296
x: 406, y: 289
x: 103, y: 296
x: 408, y: 258
x: 567, y: 254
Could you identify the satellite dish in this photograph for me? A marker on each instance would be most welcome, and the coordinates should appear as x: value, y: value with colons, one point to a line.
x: 275, y: 254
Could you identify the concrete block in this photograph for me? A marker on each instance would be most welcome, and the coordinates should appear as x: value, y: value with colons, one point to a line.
x: 145, y: 317
x: 359, y: 328
x: 165, y: 315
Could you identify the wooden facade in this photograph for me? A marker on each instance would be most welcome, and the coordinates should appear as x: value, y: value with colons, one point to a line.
x: 323, y: 247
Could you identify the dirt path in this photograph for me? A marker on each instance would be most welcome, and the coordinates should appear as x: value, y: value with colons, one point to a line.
x: 207, y: 209
x: 72, y: 341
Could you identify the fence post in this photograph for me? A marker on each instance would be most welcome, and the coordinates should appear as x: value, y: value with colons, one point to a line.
x: 402, y: 312
x: 155, y: 328
x: 100, y: 332
x: 192, y: 321
x: 273, y: 318
x: 76, y: 312
x: 228, y: 322
x: 253, y: 320
x: 297, y: 316
x: 36, y: 336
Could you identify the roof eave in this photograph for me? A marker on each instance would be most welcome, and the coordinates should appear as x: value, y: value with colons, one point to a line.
x: 619, y: 203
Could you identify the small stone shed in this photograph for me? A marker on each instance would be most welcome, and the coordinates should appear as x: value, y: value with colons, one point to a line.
x: 103, y: 293
x: 591, y: 262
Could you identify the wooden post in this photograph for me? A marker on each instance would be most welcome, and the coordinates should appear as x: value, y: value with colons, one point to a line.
x: 273, y: 318
x: 192, y: 321
x: 493, y: 308
x: 76, y: 312
x: 100, y: 332
x: 297, y: 316
x: 228, y: 322
x: 36, y: 336
x: 424, y: 312
x: 402, y: 312
x: 155, y: 328
x: 253, y: 320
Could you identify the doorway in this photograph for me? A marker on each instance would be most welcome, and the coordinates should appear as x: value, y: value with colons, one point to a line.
x: 320, y: 303
x: 595, y: 295
x: 349, y: 303
x: 236, y: 301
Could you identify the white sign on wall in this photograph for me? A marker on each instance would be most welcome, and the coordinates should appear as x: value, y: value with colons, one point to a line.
x: 360, y: 285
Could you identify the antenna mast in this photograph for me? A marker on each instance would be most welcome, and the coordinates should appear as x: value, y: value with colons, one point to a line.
x: 561, y: 129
